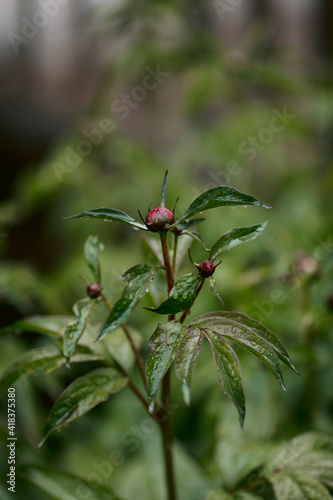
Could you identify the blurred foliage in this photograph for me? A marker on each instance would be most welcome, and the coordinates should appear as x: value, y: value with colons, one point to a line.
x: 195, y: 123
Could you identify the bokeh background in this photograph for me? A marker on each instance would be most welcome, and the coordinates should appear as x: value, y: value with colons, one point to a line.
x: 98, y: 98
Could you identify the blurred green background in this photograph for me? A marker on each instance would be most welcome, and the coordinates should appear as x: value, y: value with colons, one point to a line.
x: 93, y: 109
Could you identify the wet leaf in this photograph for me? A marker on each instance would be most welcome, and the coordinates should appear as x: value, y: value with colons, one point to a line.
x: 163, y: 344
x: 187, y: 353
x: 81, y: 396
x: 181, y: 296
x: 228, y: 372
x: 75, y: 329
x: 108, y: 215
x: 40, y: 361
x: 186, y: 223
x: 92, y: 249
x: 241, y: 334
x: 61, y: 485
x: 217, y: 197
x: 137, y: 279
x: 260, y: 330
x: 234, y: 238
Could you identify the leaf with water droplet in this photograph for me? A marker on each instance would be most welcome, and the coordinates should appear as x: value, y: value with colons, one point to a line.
x: 109, y: 215
x: 217, y: 197
x: 75, y: 329
x: 241, y: 334
x: 234, y: 238
x: 187, y: 353
x: 136, y: 278
x: 163, y: 344
x: 181, y: 296
x: 228, y: 372
x: 81, y: 396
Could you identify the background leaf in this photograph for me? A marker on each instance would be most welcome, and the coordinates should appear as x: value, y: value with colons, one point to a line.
x: 181, y: 296
x: 108, y: 215
x: 218, y: 197
x: 187, y: 353
x: 137, y: 279
x: 92, y: 249
x: 61, y: 485
x: 81, y: 396
x: 52, y: 326
x: 75, y: 330
x: 163, y: 344
x: 234, y: 238
x: 228, y: 372
x: 42, y: 360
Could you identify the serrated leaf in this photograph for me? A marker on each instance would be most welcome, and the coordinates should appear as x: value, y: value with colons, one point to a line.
x: 92, y: 249
x: 137, y: 279
x: 309, y: 454
x: 187, y: 353
x: 234, y: 238
x: 163, y: 344
x: 41, y: 361
x: 61, y: 485
x: 244, y: 336
x: 298, y: 486
x: 108, y: 215
x: 75, y: 329
x: 258, y: 329
x: 217, y: 197
x: 228, y: 372
x: 212, y: 284
x: 181, y: 296
x: 197, y: 237
x: 81, y: 396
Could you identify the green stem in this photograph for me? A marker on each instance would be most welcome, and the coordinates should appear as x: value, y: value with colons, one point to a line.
x: 136, y: 353
x: 175, y: 247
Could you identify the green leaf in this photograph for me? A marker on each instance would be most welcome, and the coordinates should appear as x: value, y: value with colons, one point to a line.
x: 164, y: 185
x: 234, y: 238
x: 212, y: 284
x: 228, y: 372
x: 303, y: 465
x: 241, y: 334
x: 61, y: 485
x: 92, y: 249
x: 41, y: 361
x: 187, y: 353
x: 197, y: 237
x: 108, y: 215
x: 218, y: 494
x: 75, y: 329
x: 137, y: 279
x: 52, y: 326
x: 181, y: 296
x: 217, y: 197
x: 163, y: 344
x: 81, y: 396
x: 260, y: 330
x: 299, y: 486
x: 185, y: 223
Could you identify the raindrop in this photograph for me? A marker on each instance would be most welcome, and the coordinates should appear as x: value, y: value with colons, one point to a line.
x: 200, y: 213
x: 135, y: 228
x: 254, y: 344
x: 262, y: 350
x: 184, y: 296
x: 244, y: 206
